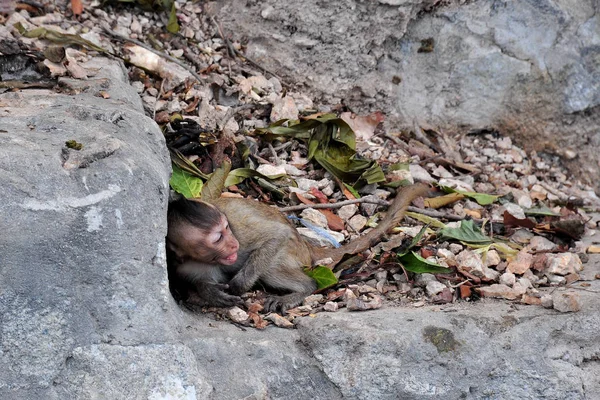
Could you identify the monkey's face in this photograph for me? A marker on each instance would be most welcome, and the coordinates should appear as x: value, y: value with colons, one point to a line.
x: 215, y: 245
x: 221, y: 242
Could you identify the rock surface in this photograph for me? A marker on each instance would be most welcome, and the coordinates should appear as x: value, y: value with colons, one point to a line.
x: 86, y: 313
x: 528, y: 69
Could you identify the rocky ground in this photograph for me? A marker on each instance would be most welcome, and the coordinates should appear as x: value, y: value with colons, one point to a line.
x: 532, y: 228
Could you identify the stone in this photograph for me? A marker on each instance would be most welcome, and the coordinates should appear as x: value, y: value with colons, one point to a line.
x: 455, y: 248
x: 531, y: 300
x: 522, y: 236
x: 566, y: 301
x: 347, y: 211
x: 421, y: 280
x: 499, y: 291
x: 514, y: 210
x: 358, y: 222
x: 313, y: 300
x: 521, y: 263
x: 470, y: 262
x: 492, y: 258
x: 238, y: 315
x: 284, y: 108
x: 420, y: 174
x: 331, y: 306
x: 540, y: 243
x: 315, y: 217
x: 508, y: 279
x: 563, y: 264
x: 547, y: 301
x: 305, y: 184
x: 271, y: 170
x: 434, y: 287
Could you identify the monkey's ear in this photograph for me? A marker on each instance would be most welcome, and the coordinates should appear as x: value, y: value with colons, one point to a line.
x: 175, y: 250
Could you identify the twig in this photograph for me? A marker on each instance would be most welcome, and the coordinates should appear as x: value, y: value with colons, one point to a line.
x: 438, y: 214
x: 159, y: 53
x: 334, y: 205
x: 274, y: 153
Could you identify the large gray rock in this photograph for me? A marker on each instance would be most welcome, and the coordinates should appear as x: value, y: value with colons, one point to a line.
x: 85, y: 309
x: 527, y: 68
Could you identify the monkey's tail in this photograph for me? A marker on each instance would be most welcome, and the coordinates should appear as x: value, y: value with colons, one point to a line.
x: 395, y: 213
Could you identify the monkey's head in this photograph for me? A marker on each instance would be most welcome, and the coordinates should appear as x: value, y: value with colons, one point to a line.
x: 198, y: 231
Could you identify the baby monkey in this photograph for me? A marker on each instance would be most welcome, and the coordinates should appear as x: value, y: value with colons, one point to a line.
x: 223, y: 248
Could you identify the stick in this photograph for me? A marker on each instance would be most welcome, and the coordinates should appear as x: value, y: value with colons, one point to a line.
x: 334, y: 205
x: 159, y: 53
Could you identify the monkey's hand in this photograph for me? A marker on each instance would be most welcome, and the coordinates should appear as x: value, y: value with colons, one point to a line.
x: 214, y: 295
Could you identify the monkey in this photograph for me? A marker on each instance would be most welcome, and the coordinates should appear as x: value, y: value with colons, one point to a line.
x: 222, y: 248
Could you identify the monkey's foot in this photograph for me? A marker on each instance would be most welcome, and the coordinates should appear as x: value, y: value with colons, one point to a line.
x: 283, y: 303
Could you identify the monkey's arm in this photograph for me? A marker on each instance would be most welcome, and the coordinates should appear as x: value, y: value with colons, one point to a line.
x: 209, y: 282
x: 259, y: 263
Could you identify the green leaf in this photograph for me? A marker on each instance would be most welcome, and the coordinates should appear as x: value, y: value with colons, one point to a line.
x: 238, y: 175
x: 182, y: 162
x: 541, y: 210
x: 415, y: 263
x: 352, y: 190
x: 332, y: 143
x: 322, y: 275
x: 413, y: 242
x: 482, y: 199
x: 59, y: 37
x: 185, y: 183
x: 466, y: 233
x: 426, y: 219
x: 214, y: 185
x: 173, y: 25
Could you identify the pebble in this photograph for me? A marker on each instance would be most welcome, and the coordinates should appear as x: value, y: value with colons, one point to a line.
x: 358, y: 222
x: 499, y: 291
x: 563, y: 264
x: 521, y: 263
x: 508, y: 279
x: 346, y: 212
x: 315, y: 217
x: 540, y: 243
x: 271, y: 170
x: 566, y: 301
x: 313, y: 300
x: 331, y: 306
x: 284, y: 108
x: 238, y: 315
x: 422, y: 280
x: 420, y: 174
x: 434, y: 287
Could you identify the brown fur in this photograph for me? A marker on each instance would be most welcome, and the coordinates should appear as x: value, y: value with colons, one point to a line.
x: 270, y: 251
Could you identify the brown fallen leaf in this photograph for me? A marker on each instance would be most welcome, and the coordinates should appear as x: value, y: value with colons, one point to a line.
x: 441, y: 201
x: 76, y: 7
x: 259, y: 322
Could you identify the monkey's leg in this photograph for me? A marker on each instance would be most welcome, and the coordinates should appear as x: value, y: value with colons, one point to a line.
x: 289, y: 278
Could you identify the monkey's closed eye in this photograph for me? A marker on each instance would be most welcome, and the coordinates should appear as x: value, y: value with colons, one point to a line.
x: 219, y: 238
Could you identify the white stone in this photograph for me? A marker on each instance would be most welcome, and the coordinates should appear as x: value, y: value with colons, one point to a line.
x: 271, y: 170
x: 315, y: 217
x: 346, y: 212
